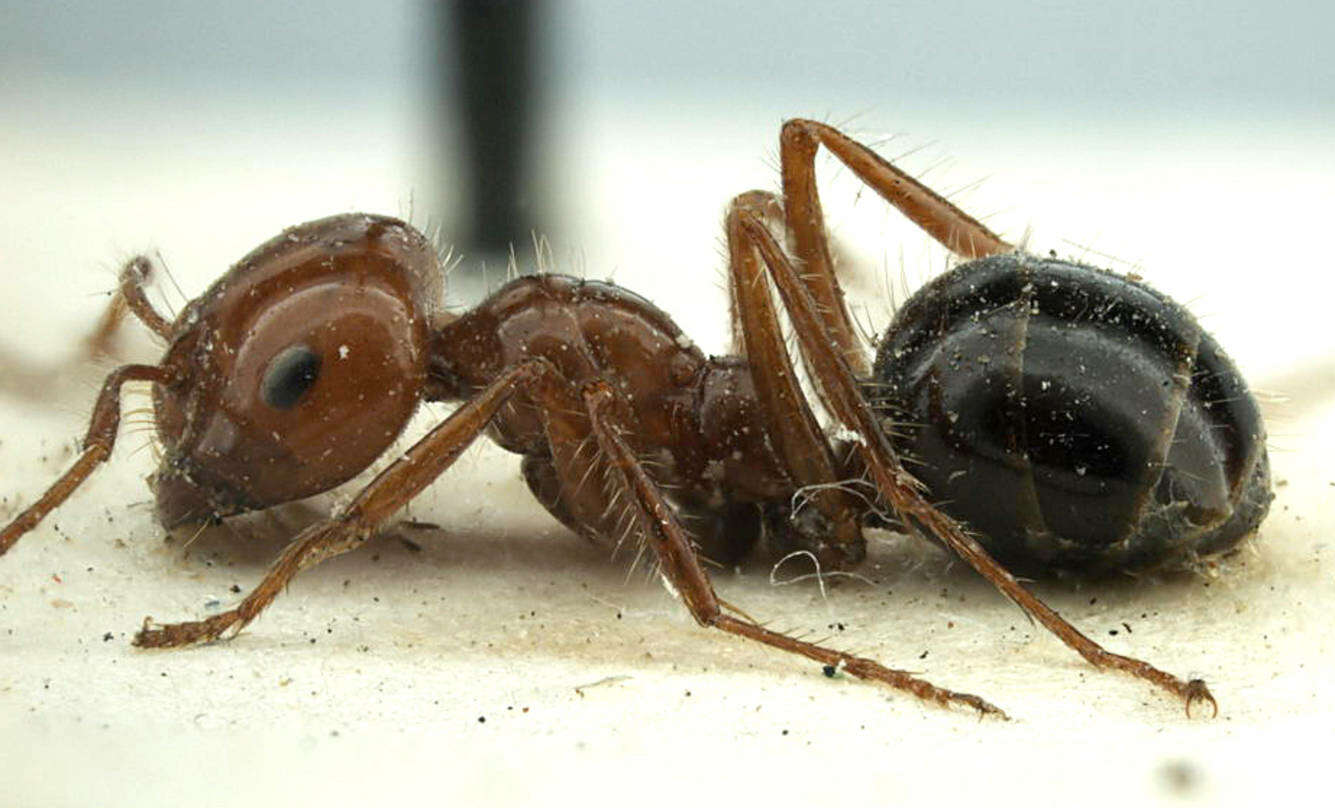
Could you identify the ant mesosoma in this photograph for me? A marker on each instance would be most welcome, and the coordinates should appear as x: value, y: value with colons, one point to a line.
x: 1077, y: 419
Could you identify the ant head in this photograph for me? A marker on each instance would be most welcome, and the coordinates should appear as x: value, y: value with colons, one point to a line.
x: 295, y: 370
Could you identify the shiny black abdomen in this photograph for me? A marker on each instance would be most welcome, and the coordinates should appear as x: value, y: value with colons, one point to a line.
x: 1077, y: 420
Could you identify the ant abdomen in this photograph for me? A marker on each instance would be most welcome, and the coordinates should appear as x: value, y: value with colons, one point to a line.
x: 1078, y: 420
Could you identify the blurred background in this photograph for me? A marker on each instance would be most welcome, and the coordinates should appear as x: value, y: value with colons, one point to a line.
x: 1191, y: 142
x: 618, y: 131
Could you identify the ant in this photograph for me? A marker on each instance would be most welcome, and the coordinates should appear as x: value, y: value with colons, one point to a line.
x: 1009, y: 375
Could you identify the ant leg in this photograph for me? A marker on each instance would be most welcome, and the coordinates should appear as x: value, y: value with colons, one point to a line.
x: 817, y: 275
x: 96, y: 448
x: 355, y: 523
x: 956, y: 230
x: 806, y: 453
x: 840, y: 392
x: 682, y: 570
x: 767, y: 208
x: 26, y: 379
x: 130, y: 297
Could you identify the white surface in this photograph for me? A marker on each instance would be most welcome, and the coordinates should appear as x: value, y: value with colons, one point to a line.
x: 371, y: 676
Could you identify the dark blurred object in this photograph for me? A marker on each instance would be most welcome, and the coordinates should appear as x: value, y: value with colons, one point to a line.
x: 490, y: 46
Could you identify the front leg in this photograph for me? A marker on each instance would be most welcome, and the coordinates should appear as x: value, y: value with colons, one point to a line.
x: 387, y: 493
x: 96, y: 448
x: 129, y: 297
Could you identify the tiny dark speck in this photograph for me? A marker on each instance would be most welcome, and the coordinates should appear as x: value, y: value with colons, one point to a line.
x: 830, y: 670
x: 482, y: 719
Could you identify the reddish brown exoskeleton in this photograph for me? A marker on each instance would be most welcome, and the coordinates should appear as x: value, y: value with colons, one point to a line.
x: 302, y: 364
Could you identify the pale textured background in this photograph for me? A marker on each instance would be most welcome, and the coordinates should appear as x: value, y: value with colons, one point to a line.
x: 368, y: 678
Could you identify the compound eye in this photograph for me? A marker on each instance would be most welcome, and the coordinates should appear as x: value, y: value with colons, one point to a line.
x: 289, y: 376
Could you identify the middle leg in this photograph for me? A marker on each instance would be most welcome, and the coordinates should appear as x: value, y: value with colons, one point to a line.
x: 656, y: 521
x: 832, y: 530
